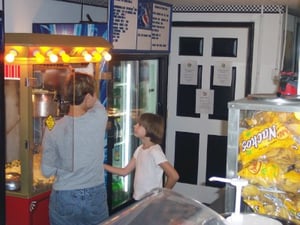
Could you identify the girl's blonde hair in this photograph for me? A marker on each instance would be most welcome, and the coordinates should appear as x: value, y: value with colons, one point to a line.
x: 154, y: 126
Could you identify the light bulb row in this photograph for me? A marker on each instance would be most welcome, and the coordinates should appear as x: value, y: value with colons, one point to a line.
x: 54, y: 57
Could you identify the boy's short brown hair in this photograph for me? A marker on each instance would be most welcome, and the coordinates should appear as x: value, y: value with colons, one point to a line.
x: 154, y: 126
x: 77, y: 86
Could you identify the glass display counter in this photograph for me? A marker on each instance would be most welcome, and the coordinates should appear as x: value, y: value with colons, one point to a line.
x: 166, y: 207
x: 264, y: 148
x: 36, y: 66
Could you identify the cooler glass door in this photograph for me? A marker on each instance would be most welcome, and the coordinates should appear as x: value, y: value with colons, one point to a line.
x: 133, y: 91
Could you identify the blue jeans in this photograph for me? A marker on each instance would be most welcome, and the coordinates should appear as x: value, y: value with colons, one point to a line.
x: 78, y: 207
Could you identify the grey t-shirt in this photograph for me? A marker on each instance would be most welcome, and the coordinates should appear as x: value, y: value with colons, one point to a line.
x: 73, y: 150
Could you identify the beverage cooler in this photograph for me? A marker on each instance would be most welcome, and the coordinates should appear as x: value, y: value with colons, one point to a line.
x: 264, y: 148
x: 36, y: 66
x: 136, y: 87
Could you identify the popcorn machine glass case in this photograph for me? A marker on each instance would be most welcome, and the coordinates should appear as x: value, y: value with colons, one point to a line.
x: 264, y: 148
x: 35, y: 69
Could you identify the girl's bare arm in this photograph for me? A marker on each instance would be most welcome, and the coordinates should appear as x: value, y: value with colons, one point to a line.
x: 171, y: 173
x: 121, y: 171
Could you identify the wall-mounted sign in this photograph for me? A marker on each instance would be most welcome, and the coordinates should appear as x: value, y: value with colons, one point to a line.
x: 140, y: 25
x: 161, y: 27
x: 123, y: 17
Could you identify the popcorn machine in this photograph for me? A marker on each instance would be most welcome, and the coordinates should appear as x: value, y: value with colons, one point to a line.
x: 264, y: 148
x: 36, y: 66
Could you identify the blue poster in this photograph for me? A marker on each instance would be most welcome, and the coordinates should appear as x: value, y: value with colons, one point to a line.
x: 78, y: 29
x: 145, y: 14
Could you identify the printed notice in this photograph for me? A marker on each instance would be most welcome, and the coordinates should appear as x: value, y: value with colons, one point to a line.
x: 161, y: 27
x: 222, y: 74
x: 204, y: 101
x: 124, y: 24
x: 188, y: 73
x: 144, y: 39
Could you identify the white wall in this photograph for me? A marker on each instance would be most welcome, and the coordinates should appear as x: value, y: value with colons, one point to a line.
x: 20, y: 14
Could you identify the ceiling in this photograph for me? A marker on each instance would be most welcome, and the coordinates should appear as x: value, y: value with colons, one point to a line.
x: 293, y: 5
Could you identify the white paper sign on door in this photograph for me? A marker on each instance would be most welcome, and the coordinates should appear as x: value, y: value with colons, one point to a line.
x: 188, y: 73
x: 204, y: 101
x: 222, y: 74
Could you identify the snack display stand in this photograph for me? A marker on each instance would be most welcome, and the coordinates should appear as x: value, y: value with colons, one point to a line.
x: 264, y: 148
x: 35, y: 68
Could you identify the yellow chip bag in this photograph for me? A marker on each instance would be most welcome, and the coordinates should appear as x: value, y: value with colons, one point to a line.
x: 266, y: 174
x: 255, y: 142
x: 291, y: 206
x: 290, y: 182
x: 256, y: 205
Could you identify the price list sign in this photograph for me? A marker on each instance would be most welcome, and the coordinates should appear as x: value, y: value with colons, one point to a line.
x: 161, y: 27
x: 124, y: 24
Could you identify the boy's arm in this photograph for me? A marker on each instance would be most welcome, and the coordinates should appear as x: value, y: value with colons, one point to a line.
x: 171, y: 173
x: 121, y: 171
